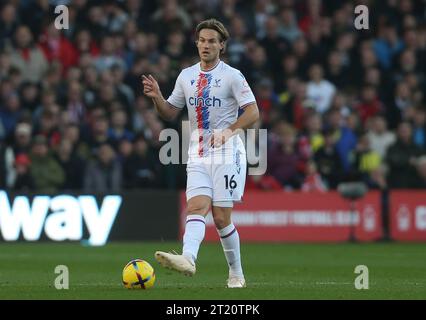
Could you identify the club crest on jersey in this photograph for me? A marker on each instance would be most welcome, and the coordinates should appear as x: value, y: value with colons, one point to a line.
x: 217, y: 83
x: 192, y: 82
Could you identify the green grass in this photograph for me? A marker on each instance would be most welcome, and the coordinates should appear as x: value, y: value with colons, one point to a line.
x: 273, y: 271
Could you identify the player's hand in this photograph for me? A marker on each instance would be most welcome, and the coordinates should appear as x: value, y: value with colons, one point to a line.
x: 150, y: 87
x: 220, y: 137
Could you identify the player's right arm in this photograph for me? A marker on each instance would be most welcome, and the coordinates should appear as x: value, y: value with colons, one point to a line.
x: 152, y: 90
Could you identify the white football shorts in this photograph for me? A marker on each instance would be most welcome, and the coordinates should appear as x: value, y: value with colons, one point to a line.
x: 221, y: 175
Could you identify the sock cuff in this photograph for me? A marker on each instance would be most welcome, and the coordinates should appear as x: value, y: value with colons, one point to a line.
x: 195, y: 218
x: 227, y: 231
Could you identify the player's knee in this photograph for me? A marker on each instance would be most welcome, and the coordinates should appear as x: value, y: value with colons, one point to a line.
x: 198, y: 208
x: 221, y: 221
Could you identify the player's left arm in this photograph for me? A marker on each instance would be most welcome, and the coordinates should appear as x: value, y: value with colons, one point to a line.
x: 246, y: 120
x: 249, y: 116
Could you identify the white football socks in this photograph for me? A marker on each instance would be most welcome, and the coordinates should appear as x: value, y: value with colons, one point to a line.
x: 195, y: 229
x: 231, y: 247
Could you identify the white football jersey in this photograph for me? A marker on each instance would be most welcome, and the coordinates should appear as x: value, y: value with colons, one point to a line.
x: 213, y: 99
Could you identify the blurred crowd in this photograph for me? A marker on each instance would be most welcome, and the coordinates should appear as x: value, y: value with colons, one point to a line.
x: 339, y: 103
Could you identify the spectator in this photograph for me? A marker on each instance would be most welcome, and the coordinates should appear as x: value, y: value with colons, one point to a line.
x: 75, y: 106
x: 141, y: 168
x: 313, y: 128
x: 236, y: 47
x: 313, y: 181
x: 118, y: 130
x: 260, y: 13
x: 319, y: 90
x: 379, y: 137
x: 317, y: 49
x: 10, y: 114
x: 20, y: 144
x: 22, y: 138
x: 345, y: 138
x: 304, y: 60
x: 258, y: 66
x: 96, y: 21
x: 421, y: 173
x: 337, y: 72
x: 138, y: 48
x: 125, y: 149
x: 387, y: 45
x: 290, y: 66
x: 288, y: 25
x: 34, y: 14
x: 266, y: 99
x: 108, y: 56
x: 300, y: 49
x: 169, y: 17
x: 46, y: 172
x: 27, y: 57
x: 402, y: 100
x: 312, y: 15
x: 283, y: 159
x: 29, y: 94
x: 138, y: 116
x: 175, y: 46
x: 328, y: 161
x: 104, y: 173
x: 273, y: 43
x: 367, y: 163
x: 84, y: 43
x: 8, y: 24
x: 56, y: 47
x: 24, y: 180
x: 71, y: 133
x: 71, y: 164
x: 48, y: 125
x: 98, y: 132
x: 401, y: 158
x: 419, y: 128
x: 116, y: 16
x: 340, y: 103
x: 124, y: 92
x: 370, y: 105
x: 5, y: 65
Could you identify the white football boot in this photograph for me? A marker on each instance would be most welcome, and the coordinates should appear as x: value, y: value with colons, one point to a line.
x: 236, y: 282
x: 176, y: 262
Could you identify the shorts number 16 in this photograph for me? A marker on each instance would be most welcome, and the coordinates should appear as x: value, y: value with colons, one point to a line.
x: 230, y: 183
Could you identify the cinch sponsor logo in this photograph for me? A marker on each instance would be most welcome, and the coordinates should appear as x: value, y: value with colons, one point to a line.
x: 208, y: 102
x: 60, y: 216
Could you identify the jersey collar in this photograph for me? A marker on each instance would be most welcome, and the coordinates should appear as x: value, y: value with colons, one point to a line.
x: 211, y: 69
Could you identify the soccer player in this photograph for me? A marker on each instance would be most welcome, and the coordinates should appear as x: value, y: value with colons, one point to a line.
x: 213, y: 93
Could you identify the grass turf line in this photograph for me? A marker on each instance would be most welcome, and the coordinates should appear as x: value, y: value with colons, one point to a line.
x: 273, y: 271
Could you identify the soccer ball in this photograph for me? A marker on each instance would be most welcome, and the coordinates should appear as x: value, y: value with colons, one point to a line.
x: 138, y: 274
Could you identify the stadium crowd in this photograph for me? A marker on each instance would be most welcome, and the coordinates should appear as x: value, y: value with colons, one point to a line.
x: 339, y: 103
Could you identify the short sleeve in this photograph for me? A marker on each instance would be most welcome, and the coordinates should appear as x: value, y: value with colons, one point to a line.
x: 177, y: 98
x: 241, y: 90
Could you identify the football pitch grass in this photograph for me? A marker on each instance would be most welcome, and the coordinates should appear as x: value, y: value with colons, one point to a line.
x: 273, y: 271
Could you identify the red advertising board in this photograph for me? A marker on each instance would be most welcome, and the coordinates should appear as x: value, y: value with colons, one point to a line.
x: 296, y: 216
x: 408, y: 215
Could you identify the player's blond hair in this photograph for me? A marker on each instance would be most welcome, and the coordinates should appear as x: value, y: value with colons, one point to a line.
x: 216, y: 25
